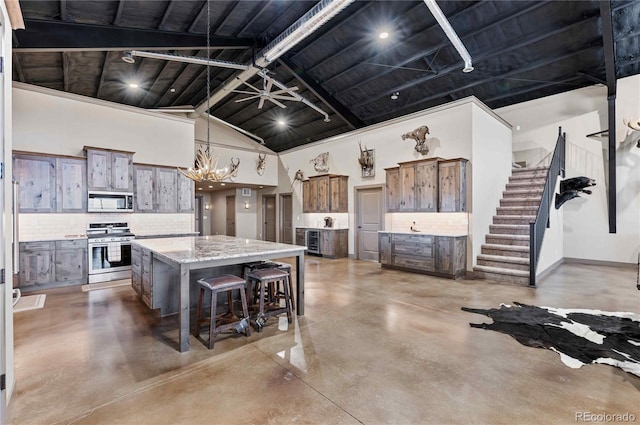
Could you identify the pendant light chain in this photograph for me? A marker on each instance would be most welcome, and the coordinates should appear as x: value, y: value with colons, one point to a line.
x: 208, y: 73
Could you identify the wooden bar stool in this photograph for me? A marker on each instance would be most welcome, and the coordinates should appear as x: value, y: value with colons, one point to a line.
x: 262, y: 279
x: 278, y: 294
x: 225, y: 283
x: 274, y: 291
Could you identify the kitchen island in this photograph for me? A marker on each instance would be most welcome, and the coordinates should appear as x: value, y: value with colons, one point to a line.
x: 176, y: 263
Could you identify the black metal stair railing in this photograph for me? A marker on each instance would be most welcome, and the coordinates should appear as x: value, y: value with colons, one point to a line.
x: 538, y: 227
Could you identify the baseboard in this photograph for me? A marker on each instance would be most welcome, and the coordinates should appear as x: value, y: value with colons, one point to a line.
x: 352, y: 257
x: 599, y: 262
x: 549, y: 270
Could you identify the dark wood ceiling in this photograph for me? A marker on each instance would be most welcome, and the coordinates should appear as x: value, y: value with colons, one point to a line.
x: 521, y: 50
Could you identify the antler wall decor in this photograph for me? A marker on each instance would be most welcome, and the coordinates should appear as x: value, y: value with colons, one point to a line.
x: 262, y: 163
x: 366, y: 160
x: 419, y: 135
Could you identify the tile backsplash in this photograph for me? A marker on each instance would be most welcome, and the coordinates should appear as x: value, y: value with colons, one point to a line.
x: 340, y: 220
x: 450, y: 224
x: 34, y: 227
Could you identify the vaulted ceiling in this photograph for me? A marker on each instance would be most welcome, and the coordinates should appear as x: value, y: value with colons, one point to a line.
x: 521, y: 50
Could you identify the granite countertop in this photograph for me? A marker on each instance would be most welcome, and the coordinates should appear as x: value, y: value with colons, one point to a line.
x: 63, y: 238
x: 193, y: 249
x: 398, y: 232
x: 165, y: 235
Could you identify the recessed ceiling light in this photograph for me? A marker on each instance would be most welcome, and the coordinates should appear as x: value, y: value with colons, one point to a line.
x: 199, y: 188
x: 133, y: 85
x: 223, y: 184
x: 281, y: 122
x: 210, y: 187
x: 383, y: 35
x: 172, y: 90
x: 395, y: 95
x: 261, y: 187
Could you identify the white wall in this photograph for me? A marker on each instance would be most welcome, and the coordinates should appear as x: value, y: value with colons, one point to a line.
x: 581, y: 112
x: 490, y: 168
x: 49, y: 121
x: 246, y: 218
x: 218, y: 211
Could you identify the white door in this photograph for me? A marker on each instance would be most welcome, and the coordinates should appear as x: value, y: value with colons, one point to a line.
x: 369, y: 219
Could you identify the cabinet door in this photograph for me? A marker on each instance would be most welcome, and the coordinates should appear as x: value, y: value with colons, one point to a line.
x: 323, y: 194
x: 306, y: 196
x: 147, y: 277
x: 407, y: 187
x: 327, y: 243
x: 452, y: 186
x: 444, y: 254
x: 71, y: 182
x: 186, y: 195
x: 98, y: 170
x: 313, y: 195
x: 71, y: 265
x: 427, y: 186
x: 121, y: 172
x: 36, y: 267
x: 338, y: 201
x: 166, y: 186
x: 143, y: 189
x: 384, y: 248
x: 393, y: 189
x: 36, y: 176
x: 136, y: 269
x: 300, y: 237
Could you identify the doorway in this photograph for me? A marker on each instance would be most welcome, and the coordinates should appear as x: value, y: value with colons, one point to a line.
x: 198, y: 216
x: 286, y: 218
x: 269, y: 218
x: 369, y: 211
x: 231, y: 215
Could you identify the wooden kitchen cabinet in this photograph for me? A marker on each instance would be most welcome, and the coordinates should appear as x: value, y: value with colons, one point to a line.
x: 147, y: 278
x: 451, y: 255
x: 300, y: 237
x: 36, y: 177
x: 37, y: 265
x: 143, y: 188
x: 110, y: 171
x: 136, y: 269
x: 393, y: 189
x: 186, y: 194
x: 426, y: 185
x: 166, y: 186
x: 452, y: 184
x: 407, y: 187
x: 384, y: 248
x: 71, y: 185
x: 326, y: 193
x: 71, y: 261
x: 334, y: 243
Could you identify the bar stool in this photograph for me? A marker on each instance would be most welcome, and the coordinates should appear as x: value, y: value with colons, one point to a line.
x: 225, y: 283
x: 274, y: 292
x: 263, y: 278
x: 280, y: 294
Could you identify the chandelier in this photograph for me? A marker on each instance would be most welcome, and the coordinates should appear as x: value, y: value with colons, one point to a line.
x: 206, y: 164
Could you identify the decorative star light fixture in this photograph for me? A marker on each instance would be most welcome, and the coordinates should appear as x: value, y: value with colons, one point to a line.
x: 206, y: 166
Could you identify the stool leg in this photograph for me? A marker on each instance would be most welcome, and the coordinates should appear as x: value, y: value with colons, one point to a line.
x: 212, y: 325
x: 261, y: 301
x: 199, y: 312
x: 291, y: 292
x: 287, y: 300
x: 245, y: 311
x: 230, y: 303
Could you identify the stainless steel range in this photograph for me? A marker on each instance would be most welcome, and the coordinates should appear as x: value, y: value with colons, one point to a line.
x: 109, y: 251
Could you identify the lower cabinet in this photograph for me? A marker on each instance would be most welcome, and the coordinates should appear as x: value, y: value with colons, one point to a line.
x: 52, y: 264
x: 438, y: 255
x: 136, y: 269
x: 334, y: 243
x: 300, y: 239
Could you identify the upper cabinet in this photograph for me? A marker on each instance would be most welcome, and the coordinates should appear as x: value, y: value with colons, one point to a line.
x: 452, y: 177
x: 166, y: 190
x: 36, y: 177
x: 71, y: 185
x: 326, y: 193
x: 186, y: 194
x: 428, y: 185
x: 143, y: 188
x: 110, y: 171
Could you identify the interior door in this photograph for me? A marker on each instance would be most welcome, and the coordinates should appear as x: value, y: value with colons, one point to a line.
x: 369, y: 219
x: 198, y: 215
x: 231, y: 215
x: 286, y: 218
x: 269, y: 218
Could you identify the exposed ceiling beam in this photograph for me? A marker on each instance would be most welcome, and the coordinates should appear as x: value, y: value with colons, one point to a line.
x: 153, y: 93
x: 609, y: 48
x: 591, y: 78
x: 64, y: 14
x: 265, y: 6
x: 167, y: 14
x: 195, y: 21
x: 18, y: 68
x: 116, y: 19
x: 65, y: 71
x: 338, y: 108
x: 529, y: 89
x: 66, y: 36
x: 105, y: 65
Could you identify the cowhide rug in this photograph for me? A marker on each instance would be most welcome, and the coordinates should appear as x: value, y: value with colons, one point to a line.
x: 579, y: 336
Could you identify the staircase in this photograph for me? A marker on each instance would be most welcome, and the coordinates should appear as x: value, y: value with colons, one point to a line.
x: 505, y: 255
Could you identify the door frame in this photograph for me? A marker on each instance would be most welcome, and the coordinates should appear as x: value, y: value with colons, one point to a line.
x: 281, y: 216
x: 264, y: 215
x: 356, y: 210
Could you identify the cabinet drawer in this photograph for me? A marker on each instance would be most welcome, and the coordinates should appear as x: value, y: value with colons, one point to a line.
x: 425, y: 239
x: 37, y: 246
x: 72, y: 244
x: 411, y: 262
x: 415, y: 249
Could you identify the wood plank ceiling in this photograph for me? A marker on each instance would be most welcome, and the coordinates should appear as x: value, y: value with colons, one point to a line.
x: 521, y: 50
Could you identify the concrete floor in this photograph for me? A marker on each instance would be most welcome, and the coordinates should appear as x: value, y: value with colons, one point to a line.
x: 374, y: 347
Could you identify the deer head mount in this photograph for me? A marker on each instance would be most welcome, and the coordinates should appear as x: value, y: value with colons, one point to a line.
x: 235, y: 163
x: 632, y: 123
x: 419, y: 135
x: 262, y: 163
x: 366, y: 160
x: 298, y: 177
x: 321, y: 162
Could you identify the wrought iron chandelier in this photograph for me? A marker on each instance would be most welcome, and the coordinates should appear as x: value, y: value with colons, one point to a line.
x: 206, y: 164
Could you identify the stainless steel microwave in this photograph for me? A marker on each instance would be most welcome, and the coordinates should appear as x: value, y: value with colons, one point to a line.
x: 110, y: 202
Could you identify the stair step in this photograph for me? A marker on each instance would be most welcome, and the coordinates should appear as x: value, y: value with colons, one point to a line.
x: 529, y: 170
x: 523, y: 193
x: 505, y: 250
x: 516, y: 240
x: 530, y: 175
x: 514, y: 219
x: 500, y: 261
x: 517, y: 210
x: 509, y: 229
x: 501, y: 275
x: 533, y: 184
x: 520, y: 202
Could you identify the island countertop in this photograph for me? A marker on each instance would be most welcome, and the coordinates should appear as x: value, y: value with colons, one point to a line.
x: 196, y: 249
